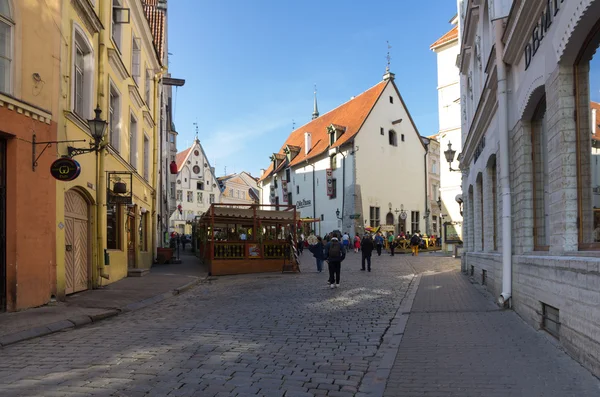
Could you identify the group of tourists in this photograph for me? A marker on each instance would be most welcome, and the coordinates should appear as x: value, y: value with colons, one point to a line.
x: 333, y: 251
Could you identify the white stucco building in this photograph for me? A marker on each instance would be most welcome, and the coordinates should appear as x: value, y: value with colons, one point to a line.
x: 195, y: 189
x: 447, y: 49
x: 529, y: 74
x: 350, y: 160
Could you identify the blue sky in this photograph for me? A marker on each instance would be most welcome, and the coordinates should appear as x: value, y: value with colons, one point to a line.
x: 250, y: 67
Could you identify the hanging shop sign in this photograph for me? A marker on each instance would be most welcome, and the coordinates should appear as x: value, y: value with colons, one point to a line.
x: 303, y: 203
x: 541, y: 29
x: 329, y: 173
x: 65, y: 169
x: 284, y: 190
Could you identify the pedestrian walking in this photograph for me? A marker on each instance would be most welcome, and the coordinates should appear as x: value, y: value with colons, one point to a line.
x: 390, y: 240
x: 415, y: 241
x: 300, y: 244
x: 335, y: 254
x: 378, y: 243
x: 367, y: 248
x: 317, y: 251
x: 356, y: 243
x: 346, y: 241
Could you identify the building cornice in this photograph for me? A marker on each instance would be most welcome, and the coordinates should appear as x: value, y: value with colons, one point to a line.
x: 88, y: 15
x: 470, y: 24
x: 148, y: 119
x: 25, y: 109
x: 115, y: 61
x: 521, y: 24
x: 486, y: 108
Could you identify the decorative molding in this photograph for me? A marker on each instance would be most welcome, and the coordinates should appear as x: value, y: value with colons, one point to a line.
x: 524, y: 102
x: 525, y: 19
x: 88, y: 15
x: 78, y: 121
x: 114, y: 59
x: 25, y: 109
x: 135, y: 95
x: 567, y: 34
x: 148, y: 119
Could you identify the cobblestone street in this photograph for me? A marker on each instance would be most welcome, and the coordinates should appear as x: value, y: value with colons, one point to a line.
x: 291, y: 335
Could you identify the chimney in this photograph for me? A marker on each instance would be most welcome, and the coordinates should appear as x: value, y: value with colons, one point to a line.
x: 594, y: 121
x: 262, y: 171
x: 307, y: 142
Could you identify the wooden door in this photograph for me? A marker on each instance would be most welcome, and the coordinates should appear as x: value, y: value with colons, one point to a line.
x: 131, y: 238
x: 76, y: 243
x: 401, y: 225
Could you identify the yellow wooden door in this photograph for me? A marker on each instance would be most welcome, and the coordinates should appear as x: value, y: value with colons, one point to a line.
x: 76, y: 243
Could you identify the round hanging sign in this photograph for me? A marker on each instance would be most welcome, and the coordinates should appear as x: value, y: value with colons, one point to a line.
x: 65, y: 169
x: 403, y: 215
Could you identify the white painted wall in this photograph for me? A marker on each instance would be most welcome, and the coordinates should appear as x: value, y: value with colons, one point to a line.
x: 390, y: 174
x: 450, y: 131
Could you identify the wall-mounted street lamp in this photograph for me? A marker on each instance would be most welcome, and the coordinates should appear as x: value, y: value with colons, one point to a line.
x: 450, y: 156
x: 337, y: 213
x: 97, y: 129
x: 439, y: 203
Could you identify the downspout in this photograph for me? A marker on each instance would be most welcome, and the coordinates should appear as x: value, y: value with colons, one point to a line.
x: 504, y: 298
x: 100, y: 178
x: 157, y: 138
x: 426, y: 183
x: 343, y: 183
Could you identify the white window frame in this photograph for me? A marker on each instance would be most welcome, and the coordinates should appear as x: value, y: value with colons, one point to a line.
x: 146, y: 159
x: 81, y: 41
x: 136, y: 59
x: 147, y: 89
x: 114, y: 129
x: 8, y: 21
x: 133, y: 150
x: 116, y: 33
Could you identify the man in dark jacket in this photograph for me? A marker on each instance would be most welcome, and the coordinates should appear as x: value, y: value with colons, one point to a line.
x: 335, y: 254
x: 367, y: 248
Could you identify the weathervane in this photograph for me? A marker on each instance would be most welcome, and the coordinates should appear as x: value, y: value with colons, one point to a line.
x: 196, y: 124
x: 389, y: 58
x: 293, y: 125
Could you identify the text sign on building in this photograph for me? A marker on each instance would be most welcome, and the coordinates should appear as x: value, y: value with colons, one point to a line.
x: 540, y: 29
x: 284, y: 190
x: 65, y: 169
x: 329, y: 174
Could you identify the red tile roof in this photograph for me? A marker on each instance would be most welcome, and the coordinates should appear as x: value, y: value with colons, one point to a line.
x: 156, y: 19
x: 448, y: 37
x: 180, y: 158
x: 350, y: 115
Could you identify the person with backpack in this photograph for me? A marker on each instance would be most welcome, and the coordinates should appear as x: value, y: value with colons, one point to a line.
x: 335, y: 254
x: 317, y: 251
x: 415, y: 241
x: 378, y: 243
x: 367, y: 248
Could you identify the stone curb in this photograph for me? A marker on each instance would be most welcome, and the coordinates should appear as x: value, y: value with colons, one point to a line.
x: 375, y: 380
x: 82, y: 320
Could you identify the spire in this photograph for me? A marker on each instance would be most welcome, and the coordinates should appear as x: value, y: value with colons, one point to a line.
x: 388, y: 75
x: 196, y: 139
x: 316, y: 109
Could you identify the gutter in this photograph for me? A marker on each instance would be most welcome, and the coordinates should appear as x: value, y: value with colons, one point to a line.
x: 505, y: 297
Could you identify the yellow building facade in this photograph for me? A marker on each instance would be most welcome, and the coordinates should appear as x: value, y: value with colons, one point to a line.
x: 108, y: 62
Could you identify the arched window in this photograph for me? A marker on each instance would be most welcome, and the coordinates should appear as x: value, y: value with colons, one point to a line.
x: 587, y: 102
x: 6, y: 46
x: 82, y: 79
x: 541, y: 199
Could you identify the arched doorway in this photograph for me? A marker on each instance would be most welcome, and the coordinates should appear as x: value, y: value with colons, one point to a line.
x: 77, y: 243
x: 389, y: 219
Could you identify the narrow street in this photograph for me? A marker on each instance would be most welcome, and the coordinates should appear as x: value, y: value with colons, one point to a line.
x: 291, y: 335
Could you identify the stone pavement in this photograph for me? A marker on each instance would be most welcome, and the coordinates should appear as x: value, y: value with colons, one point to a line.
x: 86, y: 307
x: 291, y: 335
x: 457, y: 342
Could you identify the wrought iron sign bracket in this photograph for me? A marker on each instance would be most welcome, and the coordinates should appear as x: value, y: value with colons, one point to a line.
x: 34, y: 158
x: 75, y: 151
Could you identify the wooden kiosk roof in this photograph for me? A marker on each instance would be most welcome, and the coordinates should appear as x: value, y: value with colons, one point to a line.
x: 219, y: 213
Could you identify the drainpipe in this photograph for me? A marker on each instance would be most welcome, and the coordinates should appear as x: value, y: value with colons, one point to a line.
x: 504, y: 298
x: 100, y: 178
x: 426, y: 183
x: 157, y: 138
x: 343, y: 183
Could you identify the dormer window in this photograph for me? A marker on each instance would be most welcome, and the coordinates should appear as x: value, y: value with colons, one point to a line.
x: 291, y: 152
x: 335, y: 131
